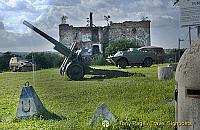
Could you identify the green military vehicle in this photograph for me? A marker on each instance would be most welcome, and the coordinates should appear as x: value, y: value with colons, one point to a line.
x: 132, y: 57
x: 158, y: 51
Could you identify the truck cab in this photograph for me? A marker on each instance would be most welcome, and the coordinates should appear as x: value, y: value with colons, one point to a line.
x: 16, y: 64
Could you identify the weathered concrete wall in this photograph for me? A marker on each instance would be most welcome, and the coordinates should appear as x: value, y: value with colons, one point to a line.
x: 131, y: 30
x: 126, y: 30
x: 82, y: 35
x: 66, y: 34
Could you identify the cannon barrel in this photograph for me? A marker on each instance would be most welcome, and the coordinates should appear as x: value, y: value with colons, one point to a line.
x: 58, y: 46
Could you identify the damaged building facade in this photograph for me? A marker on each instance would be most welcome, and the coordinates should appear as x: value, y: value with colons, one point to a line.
x: 92, y: 35
x: 131, y: 30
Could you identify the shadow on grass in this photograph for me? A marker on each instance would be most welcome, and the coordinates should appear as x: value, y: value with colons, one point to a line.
x: 45, y: 115
x: 99, y: 74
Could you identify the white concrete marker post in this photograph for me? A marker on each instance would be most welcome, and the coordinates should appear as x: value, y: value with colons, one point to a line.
x: 188, y: 89
x: 29, y: 103
x: 173, y: 65
x: 165, y: 73
x: 103, y: 116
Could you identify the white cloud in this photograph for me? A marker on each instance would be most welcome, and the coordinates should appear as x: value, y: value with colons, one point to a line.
x: 62, y: 2
x: 46, y: 15
x: 22, y: 42
x: 16, y: 5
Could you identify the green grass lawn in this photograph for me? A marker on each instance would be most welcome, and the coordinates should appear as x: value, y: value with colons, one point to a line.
x: 140, y: 99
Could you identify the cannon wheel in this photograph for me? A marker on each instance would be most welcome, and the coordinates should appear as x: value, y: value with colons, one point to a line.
x: 75, y: 71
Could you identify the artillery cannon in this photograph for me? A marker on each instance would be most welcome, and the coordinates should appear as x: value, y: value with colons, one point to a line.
x: 73, y: 65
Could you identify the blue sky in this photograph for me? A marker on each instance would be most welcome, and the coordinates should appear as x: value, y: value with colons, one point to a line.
x: 46, y: 15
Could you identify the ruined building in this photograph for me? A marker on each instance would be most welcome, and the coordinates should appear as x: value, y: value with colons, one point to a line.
x: 89, y: 36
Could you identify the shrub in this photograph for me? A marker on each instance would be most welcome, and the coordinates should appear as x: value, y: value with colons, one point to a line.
x: 4, y: 61
x: 120, y: 45
x: 45, y: 60
x: 98, y: 59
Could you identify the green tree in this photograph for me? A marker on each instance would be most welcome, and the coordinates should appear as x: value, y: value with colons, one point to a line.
x: 45, y: 60
x: 120, y: 45
x: 4, y: 61
x: 172, y: 55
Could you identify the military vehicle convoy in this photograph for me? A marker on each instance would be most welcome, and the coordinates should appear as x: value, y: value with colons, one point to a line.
x: 132, y: 57
x: 16, y: 64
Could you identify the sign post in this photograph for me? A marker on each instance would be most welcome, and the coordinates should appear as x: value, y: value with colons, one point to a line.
x: 190, y: 15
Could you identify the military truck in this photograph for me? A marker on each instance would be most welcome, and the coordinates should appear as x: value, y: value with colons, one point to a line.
x: 16, y: 64
x: 132, y: 57
x: 158, y: 51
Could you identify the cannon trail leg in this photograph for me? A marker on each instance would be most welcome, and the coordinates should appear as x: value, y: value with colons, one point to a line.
x: 67, y: 60
x: 113, y: 73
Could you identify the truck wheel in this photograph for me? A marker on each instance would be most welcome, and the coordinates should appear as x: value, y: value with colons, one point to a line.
x: 13, y: 69
x: 147, y: 62
x: 75, y: 71
x: 122, y: 63
x: 20, y: 69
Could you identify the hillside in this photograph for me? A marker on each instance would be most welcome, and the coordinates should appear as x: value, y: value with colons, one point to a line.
x: 72, y: 103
